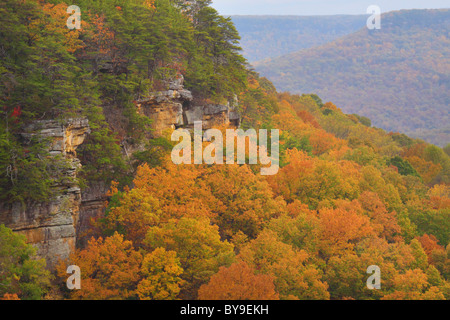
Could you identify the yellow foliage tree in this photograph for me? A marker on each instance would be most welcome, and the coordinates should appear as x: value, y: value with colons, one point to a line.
x: 161, y: 270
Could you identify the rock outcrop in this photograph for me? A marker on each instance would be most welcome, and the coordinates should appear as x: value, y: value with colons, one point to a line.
x: 51, y: 226
x: 174, y: 108
x: 212, y: 115
x: 165, y: 108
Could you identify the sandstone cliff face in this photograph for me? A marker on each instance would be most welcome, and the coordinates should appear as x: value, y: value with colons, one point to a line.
x: 92, y: 203
x: 174, y: 108
x: 51, y: 227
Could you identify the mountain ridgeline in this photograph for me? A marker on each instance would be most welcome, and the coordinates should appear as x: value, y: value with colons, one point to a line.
x: 398, y: 76
x: 272, y: 36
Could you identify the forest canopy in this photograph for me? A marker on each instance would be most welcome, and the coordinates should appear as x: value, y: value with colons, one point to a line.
x: 347, y: 195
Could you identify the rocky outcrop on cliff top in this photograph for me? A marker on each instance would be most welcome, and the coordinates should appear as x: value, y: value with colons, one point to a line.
x: 175, y: 108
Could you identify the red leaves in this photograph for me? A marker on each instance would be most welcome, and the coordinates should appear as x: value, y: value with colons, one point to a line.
x: 17, y: 112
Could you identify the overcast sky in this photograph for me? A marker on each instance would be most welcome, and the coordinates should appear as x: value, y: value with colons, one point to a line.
x: 319, y: 7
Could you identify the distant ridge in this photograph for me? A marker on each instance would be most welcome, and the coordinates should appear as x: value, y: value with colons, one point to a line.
x: 398, y: 76
x: 271, y: 36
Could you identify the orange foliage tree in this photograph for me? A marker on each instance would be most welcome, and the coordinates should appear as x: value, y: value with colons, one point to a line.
x: 341, y: 229
x: 238, y: 282
x: 109, y: 267
x: 294, y: 277
x: 311, y: 180
x: 244, y: 201
x: 178, y: 189
x: 384, y: 223
x: 430, y: 244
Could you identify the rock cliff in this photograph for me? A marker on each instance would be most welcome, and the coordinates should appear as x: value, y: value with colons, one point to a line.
x: 51, y: 226
x: 175, y: 108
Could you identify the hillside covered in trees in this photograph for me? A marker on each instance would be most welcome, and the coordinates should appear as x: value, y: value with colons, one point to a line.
x: 124, y: 51
x: 347, y: 195
x: 265, y: 37
x: 397, y: 76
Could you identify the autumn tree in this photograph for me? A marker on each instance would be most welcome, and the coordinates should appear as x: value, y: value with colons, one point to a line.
x: 322, y: 142
x: 441, y: 260
x: 179, y: 191
x: 428, y: 161
x: 160, y: 271
x: 384, y: 223
x: 198, y: 246
x: 238, y: 282
x: 430, y: 244
x: 413, y: 285
x: 427, y: 169
x: 311, y: 180
x: 244, y: 201
x: 439, y: 197
x: 373, y: 181
x: 342, y: 228
x: 294, y: 277
x: 131, y: 213
x: 301, y: 231
x: 110, y: 269
x: 346, y: 275
x: 8, y: 296
x: 308, y: 118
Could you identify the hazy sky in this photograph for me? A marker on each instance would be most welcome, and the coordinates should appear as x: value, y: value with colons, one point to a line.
x: 319, y: 7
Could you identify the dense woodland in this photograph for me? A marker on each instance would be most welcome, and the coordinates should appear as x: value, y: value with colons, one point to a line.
x: 397, y: 76
x: 347, y: 195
